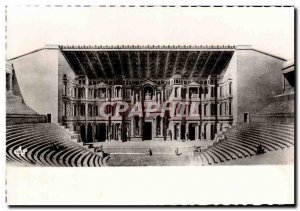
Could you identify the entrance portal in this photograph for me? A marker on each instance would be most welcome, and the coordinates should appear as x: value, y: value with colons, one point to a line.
x: 101, y: 132
x: 147, y: 131
x: 192, y: 132
x: 182, y: 132
x: 246, y: 117
x: 82, y: 133
x: 89, y: 133
x: 48, y: 118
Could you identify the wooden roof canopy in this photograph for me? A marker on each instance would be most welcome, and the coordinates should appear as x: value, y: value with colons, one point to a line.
x: 147, y: 62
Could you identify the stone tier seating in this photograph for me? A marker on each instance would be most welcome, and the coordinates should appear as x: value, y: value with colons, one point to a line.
x: 242, y: 142
x: 47, y: 144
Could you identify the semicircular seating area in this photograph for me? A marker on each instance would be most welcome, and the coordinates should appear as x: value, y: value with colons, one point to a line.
x: 242, y: 142
x: 46, y: 144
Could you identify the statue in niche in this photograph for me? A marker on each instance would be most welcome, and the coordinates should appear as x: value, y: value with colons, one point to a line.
x: 119, y: 134
x: 127, y: 133
x: 186, y: 136
x: 137, y: 131
x: 102, y: 94
x: 148, y: 95
x: 158, y: 126
x: 158, y: 96
x: 109, y: 135
x: 158, y: 130
x: 68, y: 113
x: 136, y: 97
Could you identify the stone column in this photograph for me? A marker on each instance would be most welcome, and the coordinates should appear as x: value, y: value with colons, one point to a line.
x: 132, y: 127
x: 94, y: 132
x: 161, y: 126
x: 187, y: 132
x: 179, y: 94
x: 187, y: 93
x: 208, y: 133
x: 218, y: 128
x: 109, y: 133
x: 202, y: 132
x: 208, y: 110
x: 86, y: 110
x: 197, y: 132
x: 140, y: 126
x: 132, y: 97
x: 171, y: 127
x: 112, y: 132
x: 115, y: 132
x: 120, y: 131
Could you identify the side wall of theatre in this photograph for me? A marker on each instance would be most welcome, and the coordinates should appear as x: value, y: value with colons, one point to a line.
x: 259, y: 78
x: 230, y: 76
x: 63, y: 69
x: 37, y: 75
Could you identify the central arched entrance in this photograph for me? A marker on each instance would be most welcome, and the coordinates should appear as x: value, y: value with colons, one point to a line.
x: 147, y: 131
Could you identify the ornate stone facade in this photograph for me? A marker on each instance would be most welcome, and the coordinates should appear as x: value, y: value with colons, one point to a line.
x: 177, y: 109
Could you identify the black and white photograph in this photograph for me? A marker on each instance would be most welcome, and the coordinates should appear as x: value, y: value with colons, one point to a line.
x: 142, y: 87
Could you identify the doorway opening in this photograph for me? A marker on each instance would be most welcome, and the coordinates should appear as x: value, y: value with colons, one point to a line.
x: 82, y: 133
x: 182, y: 132
x: 246, y: 117
x: 192, y: 132
x: 147, y: 131
x: 89, y: 133
x: 101, y: 132
x: 48, y: 118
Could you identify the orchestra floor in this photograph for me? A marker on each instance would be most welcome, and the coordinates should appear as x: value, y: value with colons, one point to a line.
x: 160, y: 158
x: 164, y: 153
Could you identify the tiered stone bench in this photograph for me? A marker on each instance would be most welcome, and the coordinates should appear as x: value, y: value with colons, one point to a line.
x: 38, y: 140
x: 242, y: 142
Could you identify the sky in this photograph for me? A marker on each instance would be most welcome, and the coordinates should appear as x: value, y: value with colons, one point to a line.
x: 267, y: 29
